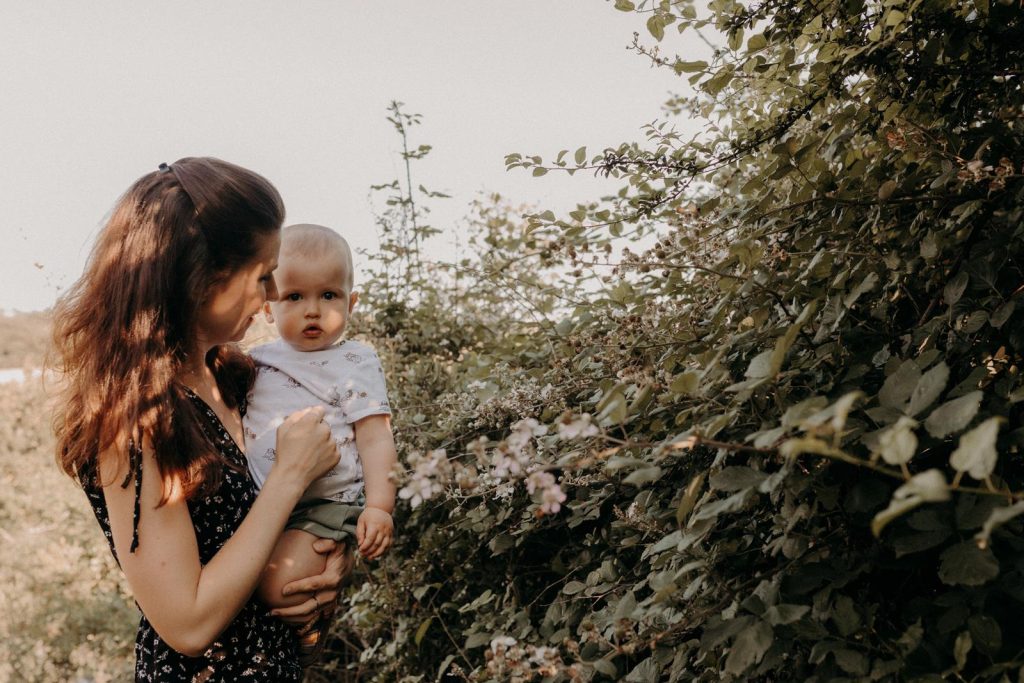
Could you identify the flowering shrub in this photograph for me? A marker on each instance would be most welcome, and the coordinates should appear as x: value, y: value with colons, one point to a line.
x: 753, y: 417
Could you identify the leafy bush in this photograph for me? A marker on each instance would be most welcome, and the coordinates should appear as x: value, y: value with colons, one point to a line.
x: 756, y: 416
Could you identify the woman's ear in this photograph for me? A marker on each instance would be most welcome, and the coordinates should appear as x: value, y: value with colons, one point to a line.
x: 268, y: 313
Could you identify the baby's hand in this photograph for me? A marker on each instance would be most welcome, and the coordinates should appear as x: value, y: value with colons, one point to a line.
x: 374, y: 531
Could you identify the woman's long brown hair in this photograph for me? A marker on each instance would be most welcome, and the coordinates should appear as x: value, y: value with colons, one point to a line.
x: 124, y: 329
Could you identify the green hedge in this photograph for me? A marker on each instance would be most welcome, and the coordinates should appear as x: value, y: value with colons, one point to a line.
x: 798, y: 340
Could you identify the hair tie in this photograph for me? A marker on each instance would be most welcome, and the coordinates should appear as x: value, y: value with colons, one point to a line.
x: 163, y: 168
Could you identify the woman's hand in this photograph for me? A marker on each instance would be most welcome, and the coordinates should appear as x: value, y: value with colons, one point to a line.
x: 305, y: 447
x: 322, y: 589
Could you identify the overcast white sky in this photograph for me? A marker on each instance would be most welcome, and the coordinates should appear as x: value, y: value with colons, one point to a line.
x: 97, y: 93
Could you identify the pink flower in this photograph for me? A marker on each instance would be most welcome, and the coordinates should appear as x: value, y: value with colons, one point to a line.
x: 552, y: 499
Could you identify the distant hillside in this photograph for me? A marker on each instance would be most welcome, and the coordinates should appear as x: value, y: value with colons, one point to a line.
x: 24, y: 339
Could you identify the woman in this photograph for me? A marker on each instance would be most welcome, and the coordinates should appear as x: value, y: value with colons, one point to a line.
x: 150, y: 421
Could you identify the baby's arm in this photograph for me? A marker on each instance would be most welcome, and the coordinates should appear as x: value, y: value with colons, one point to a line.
x: 376, y: 447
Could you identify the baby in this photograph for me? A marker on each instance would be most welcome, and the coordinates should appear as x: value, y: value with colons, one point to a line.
x: 308, y: 366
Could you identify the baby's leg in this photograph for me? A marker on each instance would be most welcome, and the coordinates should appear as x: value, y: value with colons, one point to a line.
x: 293, y: 558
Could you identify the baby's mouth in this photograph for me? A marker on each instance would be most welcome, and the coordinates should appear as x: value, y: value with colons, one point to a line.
x: 311, y: 331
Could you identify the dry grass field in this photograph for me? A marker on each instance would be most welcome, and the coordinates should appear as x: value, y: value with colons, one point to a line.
x: 65, y: 612
x: 66, y: 615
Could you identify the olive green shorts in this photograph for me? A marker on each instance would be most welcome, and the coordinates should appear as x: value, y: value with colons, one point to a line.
x: 327, y: 519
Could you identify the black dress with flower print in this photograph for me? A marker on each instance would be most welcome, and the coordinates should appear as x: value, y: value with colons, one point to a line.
x: 254, y: 646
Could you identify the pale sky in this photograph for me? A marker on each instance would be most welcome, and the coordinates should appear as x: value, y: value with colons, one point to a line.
x: 97, y: 93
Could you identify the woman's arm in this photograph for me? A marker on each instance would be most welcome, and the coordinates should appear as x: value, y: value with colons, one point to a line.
x: 189, y: 604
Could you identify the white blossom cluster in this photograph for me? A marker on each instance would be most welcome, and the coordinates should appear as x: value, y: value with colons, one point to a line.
x: 514, y: 458
x: 508, y: 660
x: 502, y: 465
x: 425, y: 481
x: 522, y: 396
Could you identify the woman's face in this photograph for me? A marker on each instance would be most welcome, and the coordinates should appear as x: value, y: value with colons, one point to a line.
x: 231, y: 304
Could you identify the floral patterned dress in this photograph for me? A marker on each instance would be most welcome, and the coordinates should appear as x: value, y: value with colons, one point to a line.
x: 254, y: 646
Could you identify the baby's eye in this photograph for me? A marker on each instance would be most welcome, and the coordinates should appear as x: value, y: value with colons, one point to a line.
x: 294, y: 296
x: 330, y: 295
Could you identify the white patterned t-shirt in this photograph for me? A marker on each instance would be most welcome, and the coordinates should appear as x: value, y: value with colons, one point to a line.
x: 346, y: 379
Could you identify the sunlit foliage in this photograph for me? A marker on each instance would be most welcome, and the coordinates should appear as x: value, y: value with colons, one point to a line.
x: 776, y: 378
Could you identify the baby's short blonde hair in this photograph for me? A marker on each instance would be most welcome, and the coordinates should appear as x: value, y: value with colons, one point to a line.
x: 317, y: 241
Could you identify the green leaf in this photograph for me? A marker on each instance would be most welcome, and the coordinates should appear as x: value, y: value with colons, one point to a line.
x: 656, y: 27
x: 785, y: 614
x: 898, y: 443
x: 736, y: 39
x: 900, y: 385
x: 642, y: 476
x: 966, y: 564
x: 1001, y: 314
x: 714, y: 85
x: 841, y: 410
x: 845, y: 615
x: 422, y: 630
x: 996, y: 519
x: 733, y: 503
x: 976, y: 455
x: 768, y: 364
x: 954, y: 415
x: 645, y: 671
x: 613, y: 406
x: 985, y: 633
x: 955, y: 288
x: 685, y: 383
x: 501, y: 543
x: 894, y: 17
x: 684, y: 67
x: 961, y: 648
x: 748, y: 648
x: 911, y: 638
x: 760, y: 366
x: 974, y: 322
x: 581, y: 156
x: 851, y: 661
x: 539, y: 171
x: 886, y: 189
x: 737, y: 478
x: 927, y: 487
x: 667, y: 542
x: 928, y: 388
x: 689, y: 498
x: 624, y: 5
x: 869, y: 282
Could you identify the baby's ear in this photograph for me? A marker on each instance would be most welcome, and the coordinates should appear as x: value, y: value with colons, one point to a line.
x: 267, y: 313
x: 353, y: 299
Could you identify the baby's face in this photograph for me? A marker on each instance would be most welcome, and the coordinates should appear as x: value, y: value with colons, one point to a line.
x: 314, y: 302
